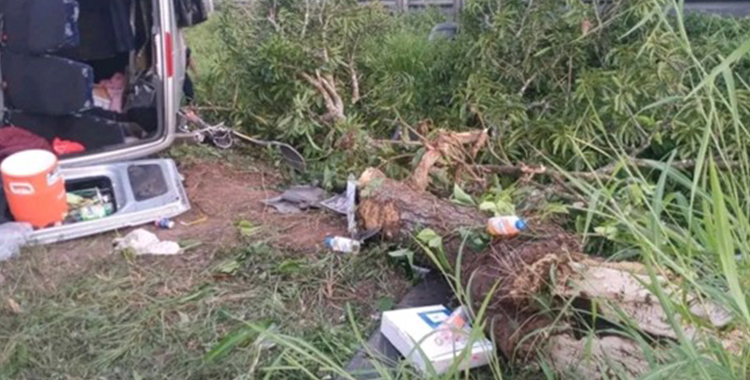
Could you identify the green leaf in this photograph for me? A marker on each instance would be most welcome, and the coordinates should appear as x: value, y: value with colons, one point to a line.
x: 229, y: 342
x: 725, y: 64
x: 385, y: 304
x: 610, y: 232
x: 556, y: 208
x: 489, y: 206
x: 247, y: 228
x: 403, y: 253
x: 461, y: 197
x: 426, y: 235
x: 229, y: 267
x: 291, y: 266
x: 431, y: 238
x: 725, y: 243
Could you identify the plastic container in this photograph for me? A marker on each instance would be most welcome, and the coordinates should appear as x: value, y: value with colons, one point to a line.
x: 34, y: 188
x: 505, y: 226
x: 342, y: 244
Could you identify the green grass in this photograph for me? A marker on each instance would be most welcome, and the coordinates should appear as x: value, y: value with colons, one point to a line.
x: 255, y: 312
x: 693, y: 223
x: 168, y: 318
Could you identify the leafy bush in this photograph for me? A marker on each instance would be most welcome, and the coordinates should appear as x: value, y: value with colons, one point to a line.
x: 659, y: 100
x: 543, y: 76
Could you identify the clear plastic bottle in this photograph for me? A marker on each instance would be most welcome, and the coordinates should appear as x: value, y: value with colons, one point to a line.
x: 505, y: 226
x: 342, y: 244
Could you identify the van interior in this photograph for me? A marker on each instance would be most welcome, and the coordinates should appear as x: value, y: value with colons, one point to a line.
x: 79, y: 75
x: 79, y: 78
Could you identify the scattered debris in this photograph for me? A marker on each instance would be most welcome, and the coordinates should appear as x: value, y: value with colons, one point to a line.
x: 15, y: 308
x: 12, y: 237
x: 363, y: 236
x: 34, y: 187
x: 505, y: 226
x: 351, y: 205
x: 89, y: 204
x: 141, y: 242
x: 343, y: 245
x: 346, y: 204
x: 222, y: 137
x: 447, y: 148
x: 338, y: 204
x: 296, y: 199
x: 165, y: 224
x: 432, y: 339
x: 200, y: 220
x: 420, y: 271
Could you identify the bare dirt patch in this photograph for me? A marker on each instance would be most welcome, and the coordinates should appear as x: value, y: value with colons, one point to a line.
x: 221, y: 194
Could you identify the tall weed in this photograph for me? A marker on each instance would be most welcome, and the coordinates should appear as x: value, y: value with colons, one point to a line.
x: 661, y: 95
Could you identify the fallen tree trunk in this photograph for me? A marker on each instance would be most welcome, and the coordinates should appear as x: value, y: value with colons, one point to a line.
x: 545, y: 263
x: 398, y: 210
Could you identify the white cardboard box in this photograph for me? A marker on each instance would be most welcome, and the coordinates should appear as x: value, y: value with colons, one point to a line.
x: 408, y: 328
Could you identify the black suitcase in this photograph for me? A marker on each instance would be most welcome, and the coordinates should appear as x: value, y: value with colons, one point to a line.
x: 39, y: 26
x: 46, y: 85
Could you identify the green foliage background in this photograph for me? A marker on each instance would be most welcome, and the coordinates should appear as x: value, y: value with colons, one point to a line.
x: 526, y: 71
x: 640, y: 82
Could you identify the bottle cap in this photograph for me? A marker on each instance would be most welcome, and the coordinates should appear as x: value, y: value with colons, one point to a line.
x: 520, y: 225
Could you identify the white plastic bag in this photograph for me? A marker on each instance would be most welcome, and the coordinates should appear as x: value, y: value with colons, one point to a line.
x: 143, y: 242
x: 12, y: 237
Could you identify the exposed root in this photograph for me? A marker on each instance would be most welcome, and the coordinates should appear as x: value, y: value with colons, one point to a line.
x: 609, y: 357
x: 540, y: 285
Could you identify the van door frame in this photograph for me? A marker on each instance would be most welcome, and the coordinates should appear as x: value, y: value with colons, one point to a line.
x: 167, y: 44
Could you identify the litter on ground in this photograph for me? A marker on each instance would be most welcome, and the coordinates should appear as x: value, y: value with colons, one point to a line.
x: 12, y: 237
x: 432, y: 339
x: 297, y: 199
x: 141, y: 242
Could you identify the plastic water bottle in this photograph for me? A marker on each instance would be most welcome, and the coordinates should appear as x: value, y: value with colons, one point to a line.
x: 342, y: 244
x: 505, y: 226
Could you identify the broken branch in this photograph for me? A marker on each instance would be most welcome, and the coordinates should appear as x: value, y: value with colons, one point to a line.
x: 449, y: 146
x: 355, y: 82
x: 326, y: 86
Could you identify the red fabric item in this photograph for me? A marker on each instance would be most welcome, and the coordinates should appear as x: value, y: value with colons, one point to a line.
x: 63, y: 147
x: 14, y: 140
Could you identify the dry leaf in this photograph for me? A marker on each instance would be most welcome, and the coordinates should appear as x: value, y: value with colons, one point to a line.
x: 14, y: 306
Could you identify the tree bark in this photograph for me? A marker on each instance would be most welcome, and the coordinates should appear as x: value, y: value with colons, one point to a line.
x: 545, y: 262
x: 398, y: 210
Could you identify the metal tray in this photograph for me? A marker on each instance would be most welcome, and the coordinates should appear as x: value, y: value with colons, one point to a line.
x: 134, y: 205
